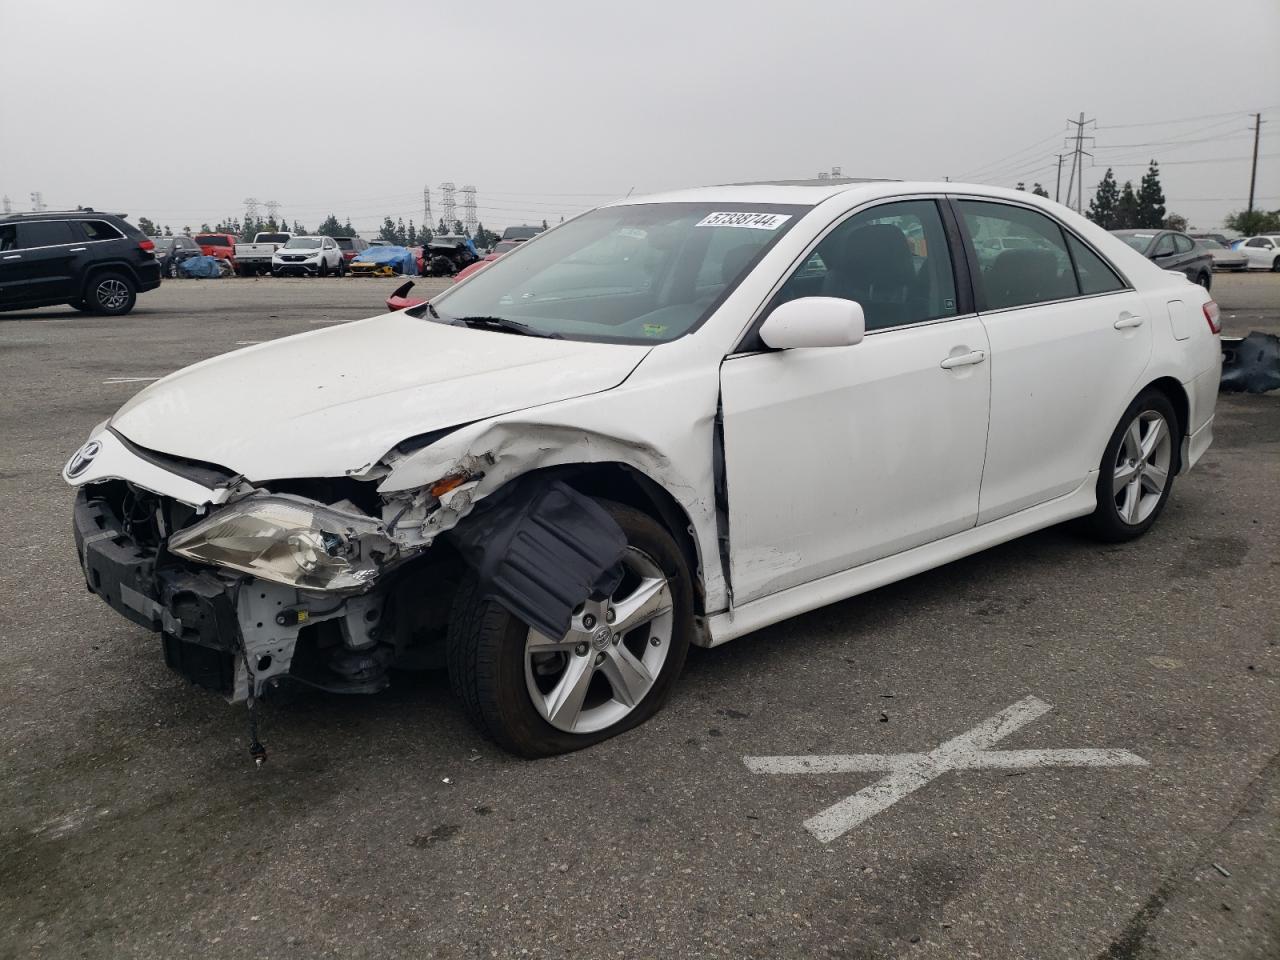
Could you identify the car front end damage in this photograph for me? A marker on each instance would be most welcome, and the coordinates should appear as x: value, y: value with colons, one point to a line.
x: 324, y: 582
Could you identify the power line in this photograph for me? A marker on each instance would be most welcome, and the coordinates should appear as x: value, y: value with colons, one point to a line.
x: 982, y: 170
x: 1165, y: 123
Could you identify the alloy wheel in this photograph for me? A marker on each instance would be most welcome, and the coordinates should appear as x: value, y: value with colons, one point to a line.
x: 112, y: 294
x: 1141, y: 471
x: 599, y: 671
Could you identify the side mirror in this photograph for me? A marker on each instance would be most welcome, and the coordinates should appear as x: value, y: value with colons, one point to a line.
x: 814, y: 322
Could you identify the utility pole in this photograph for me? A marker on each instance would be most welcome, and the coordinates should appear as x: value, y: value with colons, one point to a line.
x: 1077, y: 163
x: 1057, y: 191
x: 1253, y: 175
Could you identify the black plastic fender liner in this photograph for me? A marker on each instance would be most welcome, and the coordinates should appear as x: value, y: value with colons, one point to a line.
x: 540, y: 548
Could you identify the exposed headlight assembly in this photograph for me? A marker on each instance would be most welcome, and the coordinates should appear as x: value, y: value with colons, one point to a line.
x: 290, y: 540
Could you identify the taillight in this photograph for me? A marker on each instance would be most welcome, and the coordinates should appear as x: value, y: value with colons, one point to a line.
x: 1212, y: 317
x: 146, y: 245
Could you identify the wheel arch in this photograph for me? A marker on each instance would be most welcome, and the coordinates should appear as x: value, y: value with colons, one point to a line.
x: 108, y: 266
x: 625, y: 484
x: 1177, y: 395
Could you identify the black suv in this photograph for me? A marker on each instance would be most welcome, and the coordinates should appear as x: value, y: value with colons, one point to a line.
x: 95, y: 262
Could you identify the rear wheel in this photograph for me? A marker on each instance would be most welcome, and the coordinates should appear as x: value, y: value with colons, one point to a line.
x: 1275, y: 265
x: 1137, y: 470
x: 171, y: 271
x: 614, y: 668
x: 112, y: 294
x: 1205, y: 280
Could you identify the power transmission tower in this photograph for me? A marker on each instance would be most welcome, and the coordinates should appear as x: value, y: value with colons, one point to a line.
x: 469, y: 220
x: 8, y: 204
x: 250, y: 211
x: 273, y: 211
x: 37, y: 201
x: 427, y: 222
x: 1253, y: 174
x: 447, y: 202
x: 1078, y: 154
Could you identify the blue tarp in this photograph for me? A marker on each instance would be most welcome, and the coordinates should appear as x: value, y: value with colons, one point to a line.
x: 205, y: 268
x: 400, y: 259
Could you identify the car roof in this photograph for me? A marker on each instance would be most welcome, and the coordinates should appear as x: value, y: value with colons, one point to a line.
x: 810, y: 193
x: 87, y: 213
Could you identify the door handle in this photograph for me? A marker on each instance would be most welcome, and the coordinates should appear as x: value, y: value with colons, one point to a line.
x: 77, y: 250
x: 13, y: 256
x: 1127, y: 321
x: 964, y: 360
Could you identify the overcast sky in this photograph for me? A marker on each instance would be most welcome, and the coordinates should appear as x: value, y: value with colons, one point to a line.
x: 178, y: 112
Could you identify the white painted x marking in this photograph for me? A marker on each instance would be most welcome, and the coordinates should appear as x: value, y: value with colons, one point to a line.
x: 908, y: 772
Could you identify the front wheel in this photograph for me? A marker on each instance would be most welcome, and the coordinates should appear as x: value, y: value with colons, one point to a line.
x: 171, y: 271
x: 1137, y: 470
x: 538, y: 696
x: 1204, y: 280
x: 1275, y: 265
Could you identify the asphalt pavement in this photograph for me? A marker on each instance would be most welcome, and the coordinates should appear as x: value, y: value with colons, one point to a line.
x: 132, y: 823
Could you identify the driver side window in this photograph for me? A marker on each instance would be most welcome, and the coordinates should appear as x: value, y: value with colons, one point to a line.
x: 893, y: 259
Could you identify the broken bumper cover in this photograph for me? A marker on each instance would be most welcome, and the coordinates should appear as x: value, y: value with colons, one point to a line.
x: 193, y: 611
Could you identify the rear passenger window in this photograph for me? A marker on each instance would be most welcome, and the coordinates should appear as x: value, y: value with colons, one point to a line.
x: 1022, y: 256
x: 44, y: 233
x: 99, y: 230
x: 1091, y: 270
x: 893, y: 259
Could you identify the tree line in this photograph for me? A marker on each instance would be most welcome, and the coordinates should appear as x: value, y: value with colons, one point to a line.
x: 393, y: 231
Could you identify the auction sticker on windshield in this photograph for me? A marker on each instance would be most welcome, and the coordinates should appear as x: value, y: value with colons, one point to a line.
x: 752, y: 221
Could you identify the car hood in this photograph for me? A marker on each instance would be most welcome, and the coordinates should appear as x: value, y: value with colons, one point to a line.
x: 333, y: 401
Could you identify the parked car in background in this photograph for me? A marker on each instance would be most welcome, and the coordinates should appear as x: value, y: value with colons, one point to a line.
x: 314, y: 256
x: 1224, y: 258
x: 1262, y: 252
x: 220, y: 245
x: 95, y: 262
x: 500, y: 249
x: 381, y: 243
x: 171, y: 251
x: 1219, y: 237
x: 661, y: 427
x: 445, y: 255
x: 351, y: 247
x: 522, y: 232
x: 254, y: 258
x: 1173, y: 251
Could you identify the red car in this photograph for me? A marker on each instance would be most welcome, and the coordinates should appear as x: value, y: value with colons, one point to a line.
x: 220, y: 245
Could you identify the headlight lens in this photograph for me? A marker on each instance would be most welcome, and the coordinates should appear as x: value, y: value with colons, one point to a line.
x: 290, y: 540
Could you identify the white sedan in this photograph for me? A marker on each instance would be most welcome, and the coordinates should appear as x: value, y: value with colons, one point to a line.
x: 670, y: 421
x: 1263, y: 253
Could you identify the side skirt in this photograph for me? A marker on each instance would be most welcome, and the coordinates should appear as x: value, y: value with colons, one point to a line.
x: 726, y: 626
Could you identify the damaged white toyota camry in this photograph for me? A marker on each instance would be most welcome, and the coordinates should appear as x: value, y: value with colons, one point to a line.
x: 672, y: 420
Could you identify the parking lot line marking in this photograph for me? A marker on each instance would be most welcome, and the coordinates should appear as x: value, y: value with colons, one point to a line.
x: 328, y: 321
x: 130, y: 379
x: 908, y: 772
x: 248, y: 343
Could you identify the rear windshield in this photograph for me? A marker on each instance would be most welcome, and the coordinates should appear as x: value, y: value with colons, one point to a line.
x: 213, y: 240
x: 346, y: 243
x: 163, y: 244
x: 504, y: 246
x: 270, y: 238
x: 303, y: 243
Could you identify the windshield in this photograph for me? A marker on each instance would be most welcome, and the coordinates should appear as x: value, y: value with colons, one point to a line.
x: 642, y: 273
x: 163, y: 244
x: 1139, y: 241
x: 1211, y: 244
x: 212, y: 240
x: 504, y: 246
x: 303, y: 243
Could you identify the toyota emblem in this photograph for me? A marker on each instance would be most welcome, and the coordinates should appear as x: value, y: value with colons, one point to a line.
x: 81, y: 459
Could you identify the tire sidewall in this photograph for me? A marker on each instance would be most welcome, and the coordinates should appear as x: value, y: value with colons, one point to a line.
x: 508, y: 712
x: 1106, y: 519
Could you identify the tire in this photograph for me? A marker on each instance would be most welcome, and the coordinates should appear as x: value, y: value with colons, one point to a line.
x: 323, y: 269
x: 81, y: 306
x: 111, y: 294
x: 1127, y: 508
x: 1205, y: 280
x: 1275, y: 265
x: 276, y: 273
x: 342, y: 266
x: 494, y: 674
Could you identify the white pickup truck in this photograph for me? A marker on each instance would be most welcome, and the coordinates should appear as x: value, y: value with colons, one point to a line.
x: 254, y: 258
